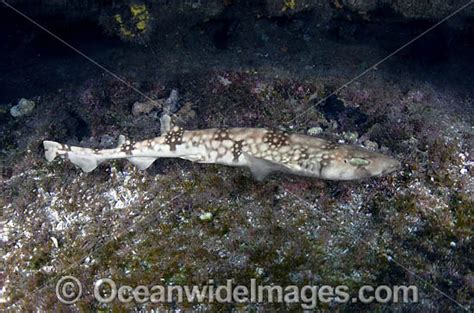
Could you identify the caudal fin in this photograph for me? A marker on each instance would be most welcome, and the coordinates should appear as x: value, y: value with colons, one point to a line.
x: 88, y: 159
x: 51, y: 149
x: 82, y: 157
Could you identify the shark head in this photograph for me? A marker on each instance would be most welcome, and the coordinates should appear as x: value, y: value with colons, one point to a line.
x: 349, y: 163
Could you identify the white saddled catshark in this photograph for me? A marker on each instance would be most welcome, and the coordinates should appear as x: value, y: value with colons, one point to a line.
x: 263, y: 151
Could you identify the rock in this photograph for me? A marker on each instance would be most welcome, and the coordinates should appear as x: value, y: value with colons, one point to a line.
x: 469, y: 281
x: 23, y: 107
x: 136, y: 22
x: 146, y: 107
x: 289, y: 7
x: 314, y: 131
x: 55, y: 242
x: 434, y: 9
x: 224, y: 81
x: 350, y: 136
x: 107, y: 141
x: 416, y: 96
x: 171, y: 104
x: 186, y: 113
x: 206, y: 216
x: 361, y: 6
x: 371, y: 145
x: 349, y: 118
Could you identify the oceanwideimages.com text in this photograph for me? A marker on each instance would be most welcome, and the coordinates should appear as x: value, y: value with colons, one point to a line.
x: 106, y: 290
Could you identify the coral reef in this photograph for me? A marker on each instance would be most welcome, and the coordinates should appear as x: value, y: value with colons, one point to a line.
x: 23, y: 107
x: 183, y: 223
x: 137, y: 23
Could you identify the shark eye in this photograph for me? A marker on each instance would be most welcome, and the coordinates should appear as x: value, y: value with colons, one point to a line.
x: 359, y: 161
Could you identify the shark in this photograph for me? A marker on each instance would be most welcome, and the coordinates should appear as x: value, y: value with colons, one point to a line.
x: 263, y: 151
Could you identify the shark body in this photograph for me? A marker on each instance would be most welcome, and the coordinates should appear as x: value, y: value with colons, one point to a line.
x: 263, y: 151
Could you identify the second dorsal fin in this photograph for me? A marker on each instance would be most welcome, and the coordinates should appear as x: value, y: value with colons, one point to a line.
x: 121, y: 140
x: 165, y: 122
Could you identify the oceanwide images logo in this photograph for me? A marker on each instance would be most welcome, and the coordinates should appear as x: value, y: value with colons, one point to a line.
x: 69, y: 291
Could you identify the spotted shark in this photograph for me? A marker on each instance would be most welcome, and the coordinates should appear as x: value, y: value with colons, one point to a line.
x: 263, y: 151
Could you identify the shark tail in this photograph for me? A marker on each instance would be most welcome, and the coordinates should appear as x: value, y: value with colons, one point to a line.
x: 88, y: 159
x: 51, y: 149
x: 84, y: 158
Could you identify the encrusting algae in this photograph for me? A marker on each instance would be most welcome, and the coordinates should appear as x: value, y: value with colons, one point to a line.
x: 136, y: 24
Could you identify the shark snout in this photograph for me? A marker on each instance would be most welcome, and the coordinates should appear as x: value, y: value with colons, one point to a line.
x: 390, y: 165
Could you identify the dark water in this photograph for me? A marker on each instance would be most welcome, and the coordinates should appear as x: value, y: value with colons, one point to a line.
x: 32, y: 61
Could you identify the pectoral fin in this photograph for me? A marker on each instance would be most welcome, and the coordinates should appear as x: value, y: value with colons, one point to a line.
x: 261, y: 168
